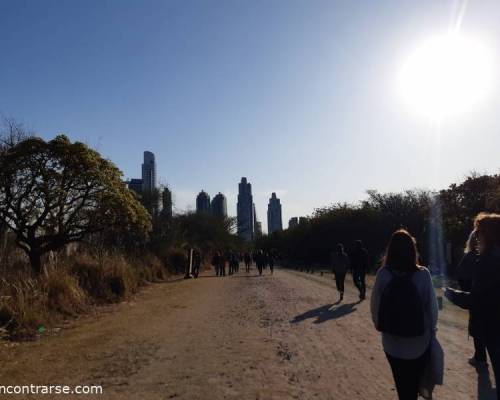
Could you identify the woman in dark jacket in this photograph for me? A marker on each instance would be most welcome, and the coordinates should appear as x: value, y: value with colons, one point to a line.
x: 465, y: 273
x: 483, y: 300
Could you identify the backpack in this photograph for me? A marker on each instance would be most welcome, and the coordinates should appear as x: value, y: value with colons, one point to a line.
x: 401, y: 311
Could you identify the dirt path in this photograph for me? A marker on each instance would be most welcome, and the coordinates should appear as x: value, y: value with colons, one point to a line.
x: 241, y: 337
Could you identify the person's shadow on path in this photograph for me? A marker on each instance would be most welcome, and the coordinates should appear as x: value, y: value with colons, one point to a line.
x: 326, y: 313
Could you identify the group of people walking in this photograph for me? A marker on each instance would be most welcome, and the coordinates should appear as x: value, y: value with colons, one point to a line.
x: 404, y: 305
x: 357, y: 261
x: 261, y: 259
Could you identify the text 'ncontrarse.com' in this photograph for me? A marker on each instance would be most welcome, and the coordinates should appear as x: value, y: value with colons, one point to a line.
x: 49, y: 389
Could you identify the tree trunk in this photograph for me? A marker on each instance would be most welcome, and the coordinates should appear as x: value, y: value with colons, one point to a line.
x: 35, y: 261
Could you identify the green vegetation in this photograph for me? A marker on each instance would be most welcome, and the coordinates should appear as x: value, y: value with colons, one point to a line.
x: 375, y: 218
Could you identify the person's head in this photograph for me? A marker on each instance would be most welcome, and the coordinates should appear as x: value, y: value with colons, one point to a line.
x: 340, y: 248
x: 487, y: 226
x: 472, y: 243
x: 401, y: 254
x: 358, y: 244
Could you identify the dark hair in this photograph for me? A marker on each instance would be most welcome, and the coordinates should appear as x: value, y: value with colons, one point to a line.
x: 401, y: 254
x: 340, y: 248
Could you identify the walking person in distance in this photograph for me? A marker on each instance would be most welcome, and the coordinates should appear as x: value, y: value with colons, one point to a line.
x: 359, y: 265
x: 340, y: 265
x: 404, y: 308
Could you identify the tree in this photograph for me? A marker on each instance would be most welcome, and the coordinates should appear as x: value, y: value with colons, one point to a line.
x: 57, y: 192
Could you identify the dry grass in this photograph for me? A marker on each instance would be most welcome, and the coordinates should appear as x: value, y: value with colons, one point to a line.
x: 70, y: 286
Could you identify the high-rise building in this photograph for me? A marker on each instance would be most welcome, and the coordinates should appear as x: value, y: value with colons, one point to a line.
x: 274, y: 222
x: 294, y: 221
x: 166, y: 198
x: 135, y: 185
x: 219, y: 205
x: 245, y: 210
x: 203, y: 203
x: 148, y: 172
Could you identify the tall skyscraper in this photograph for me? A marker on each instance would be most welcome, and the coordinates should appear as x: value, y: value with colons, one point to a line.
x: 166, y: 198
x: 245, y: 210
x: 219, y: 205
x: 274, y: 222
x: 203, y: 203
x: 148, y: 172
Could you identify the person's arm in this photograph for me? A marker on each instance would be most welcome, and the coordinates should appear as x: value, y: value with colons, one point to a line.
x: 458, y: 297
x: 375, y: 298
x: 433, y: 304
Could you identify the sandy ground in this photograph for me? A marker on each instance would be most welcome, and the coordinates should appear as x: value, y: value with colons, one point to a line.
x: 239, y: 337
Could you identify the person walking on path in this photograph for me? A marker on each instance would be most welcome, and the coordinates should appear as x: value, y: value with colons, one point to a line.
x: 359, y: 265
x: 465, y: 273
x: 340, y: 265
x: 222, y: 264
x: 404, y: 308
x: 216, y: 262
x: 483, y: 300
x: 248, y: 261
x: 260, y: 261
x: 271, y: 262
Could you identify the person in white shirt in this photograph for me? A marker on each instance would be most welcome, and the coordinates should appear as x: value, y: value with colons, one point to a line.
x: 404, y: 308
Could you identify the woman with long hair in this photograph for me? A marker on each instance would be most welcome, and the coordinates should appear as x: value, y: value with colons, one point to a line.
x: 404, y: 308
x: 483, y: 300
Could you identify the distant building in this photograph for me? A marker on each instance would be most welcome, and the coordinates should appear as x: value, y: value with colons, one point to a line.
x: 258, y: 229
x: 203, y: 203
x: 135, y: 185
x: 148, y: 172
x: 292, y: 222
x: 245, y: 210
x: 166, y: 198
x: 274, y: 222
x: 295, y: 221
x: 219, y: 205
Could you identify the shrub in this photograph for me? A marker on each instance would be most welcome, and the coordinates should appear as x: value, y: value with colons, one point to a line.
x: 64, y: 294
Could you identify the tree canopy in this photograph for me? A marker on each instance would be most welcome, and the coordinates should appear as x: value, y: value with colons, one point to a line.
x: 57, y: 192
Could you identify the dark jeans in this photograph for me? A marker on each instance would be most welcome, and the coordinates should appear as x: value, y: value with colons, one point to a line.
x: 407, y: 374
x: 259, y: 266
x: 339, y: 281
x: 493, y: 348
x: 479, y: 350
x: 358, y: 276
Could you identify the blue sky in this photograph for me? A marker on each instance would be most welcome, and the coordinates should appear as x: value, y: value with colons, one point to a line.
x: 298, y: 96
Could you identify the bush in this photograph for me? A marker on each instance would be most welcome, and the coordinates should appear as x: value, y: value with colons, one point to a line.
x: 64, y: 294
x: 177, y: 260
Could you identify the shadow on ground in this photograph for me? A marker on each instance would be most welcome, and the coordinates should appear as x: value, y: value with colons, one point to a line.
x: 326, y: 313
x: 485, y: 390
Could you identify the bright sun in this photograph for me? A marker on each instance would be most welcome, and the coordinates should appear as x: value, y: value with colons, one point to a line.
x: 446, y: 75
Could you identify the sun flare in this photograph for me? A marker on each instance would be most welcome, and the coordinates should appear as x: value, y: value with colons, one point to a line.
x: 446, y: 75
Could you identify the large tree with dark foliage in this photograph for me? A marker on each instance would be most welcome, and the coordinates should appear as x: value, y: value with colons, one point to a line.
x: 57, y: 192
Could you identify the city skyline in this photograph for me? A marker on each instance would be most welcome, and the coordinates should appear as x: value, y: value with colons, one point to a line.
x: 306, y: 106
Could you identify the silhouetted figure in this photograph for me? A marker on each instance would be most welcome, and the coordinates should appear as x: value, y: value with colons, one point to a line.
x: 196, y: 263
x: 483, y: 300
x: 359, y: 265
x: 465, y: 273
x: 404, y: 308
x: 222, y: 265
x: 270, y: 260
x: 233, y: 263
x: 260, y: 260
x: 248, y: 261
x: 216, y: 262
x: 340, y: 265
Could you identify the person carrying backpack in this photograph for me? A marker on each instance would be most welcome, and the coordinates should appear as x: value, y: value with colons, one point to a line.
x: 404, y: 308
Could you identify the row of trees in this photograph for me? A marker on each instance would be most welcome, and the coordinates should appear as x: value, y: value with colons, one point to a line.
x: 440, y: 221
